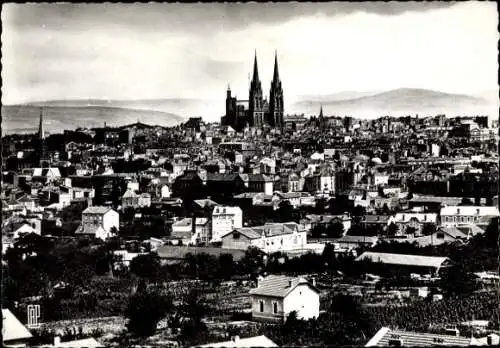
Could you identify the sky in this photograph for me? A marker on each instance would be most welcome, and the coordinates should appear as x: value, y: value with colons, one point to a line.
x: 146, y: 51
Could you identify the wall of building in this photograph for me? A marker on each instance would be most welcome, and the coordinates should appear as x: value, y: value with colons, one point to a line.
x: 304, y: 300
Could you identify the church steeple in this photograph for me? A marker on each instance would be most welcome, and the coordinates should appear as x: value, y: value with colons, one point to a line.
x: 255, y: 99
x: 255, y: 77
x: 276, y: 98
x: 41, y: 131
x: 276, y: 76
x: 321, y: 112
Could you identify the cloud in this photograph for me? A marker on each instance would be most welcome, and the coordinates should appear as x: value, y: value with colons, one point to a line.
x: 197, y: 16
x: 142, y: 51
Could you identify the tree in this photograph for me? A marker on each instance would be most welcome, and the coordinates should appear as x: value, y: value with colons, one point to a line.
x: 393, y: 229
x: 146, y: 266
x: 320, y: 206
x: 429, y: 229
x: 318, y: 231
x: 144, y: 311
x: 336, y: 230
x: 285, y: 211
x: 252, y: 263
x: 226, y: 266
x: 456, y: 280
x: 410, y: 230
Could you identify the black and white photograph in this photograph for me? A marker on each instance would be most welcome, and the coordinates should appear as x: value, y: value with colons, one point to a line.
x: 250, y: 174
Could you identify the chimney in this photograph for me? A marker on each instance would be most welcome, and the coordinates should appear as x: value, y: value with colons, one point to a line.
x: 314, y: 281
x: 290, y: 283
x: 492, y: 340
x: 57, y: 341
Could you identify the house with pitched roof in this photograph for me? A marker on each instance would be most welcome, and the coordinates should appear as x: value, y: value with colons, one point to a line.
x: 270, y: 238
x: 98, y: 221
x: 276, y: 296
x: 414, y: 221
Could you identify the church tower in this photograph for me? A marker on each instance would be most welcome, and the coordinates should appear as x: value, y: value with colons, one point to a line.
x: 41, y: 141
x: 255, y: 100
x: 41, y: 131
x: 276, y: 99
x: 321, y: 119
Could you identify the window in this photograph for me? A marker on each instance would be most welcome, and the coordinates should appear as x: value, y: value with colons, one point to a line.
x: 261, y: 306
x: 275, y: 307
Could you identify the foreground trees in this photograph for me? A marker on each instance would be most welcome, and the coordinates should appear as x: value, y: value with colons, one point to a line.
x: 145, y: 310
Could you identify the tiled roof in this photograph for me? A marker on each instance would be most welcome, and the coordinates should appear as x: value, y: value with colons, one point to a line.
x: 221, y: 177
x: 278, y: 286
x: 96, y: 210
x: 454, y: 232
x: 257, y: 341
x: 203, y: 203
x: 183, y: 222
x: 180, y: 252
x: 385, y: 336
x: 129, y: 194
x: 357, y: 239
x: 376, y: 219
x: 13, y: 329
x: 403, y: 259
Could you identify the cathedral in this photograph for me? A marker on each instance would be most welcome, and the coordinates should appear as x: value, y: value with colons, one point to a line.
x: 256, y: 111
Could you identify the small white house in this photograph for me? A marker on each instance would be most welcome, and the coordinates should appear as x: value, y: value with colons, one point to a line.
x: 224, y: 220
x: 276, y: 296
x: 98, y: 221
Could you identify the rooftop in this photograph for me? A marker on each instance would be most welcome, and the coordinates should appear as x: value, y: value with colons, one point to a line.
x: 403, y: 259
x: 96, y: 210
x: 278, y: 286
x: 13, y: 329
x: 385, y: 337
x: 257, y: 341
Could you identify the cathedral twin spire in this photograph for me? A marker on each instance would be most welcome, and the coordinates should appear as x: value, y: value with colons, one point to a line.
x: 255, y: 77
x: 260, y: 112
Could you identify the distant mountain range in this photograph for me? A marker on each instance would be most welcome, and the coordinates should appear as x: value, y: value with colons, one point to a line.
x: 24, y: 118
x: 184, y: 107
x: 403, y: 101
x: 70, y: 114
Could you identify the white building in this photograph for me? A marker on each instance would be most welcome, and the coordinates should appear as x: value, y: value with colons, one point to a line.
x: 380, y: 179
x: 225, y: 220
x: 269, y: 238
x: 452, y: 216
x: 236, y: 341
x: 99, y: 221
x: 165, y: 191
x: 414, y: 220
x: 276, y: 296
x: 190, y: 232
